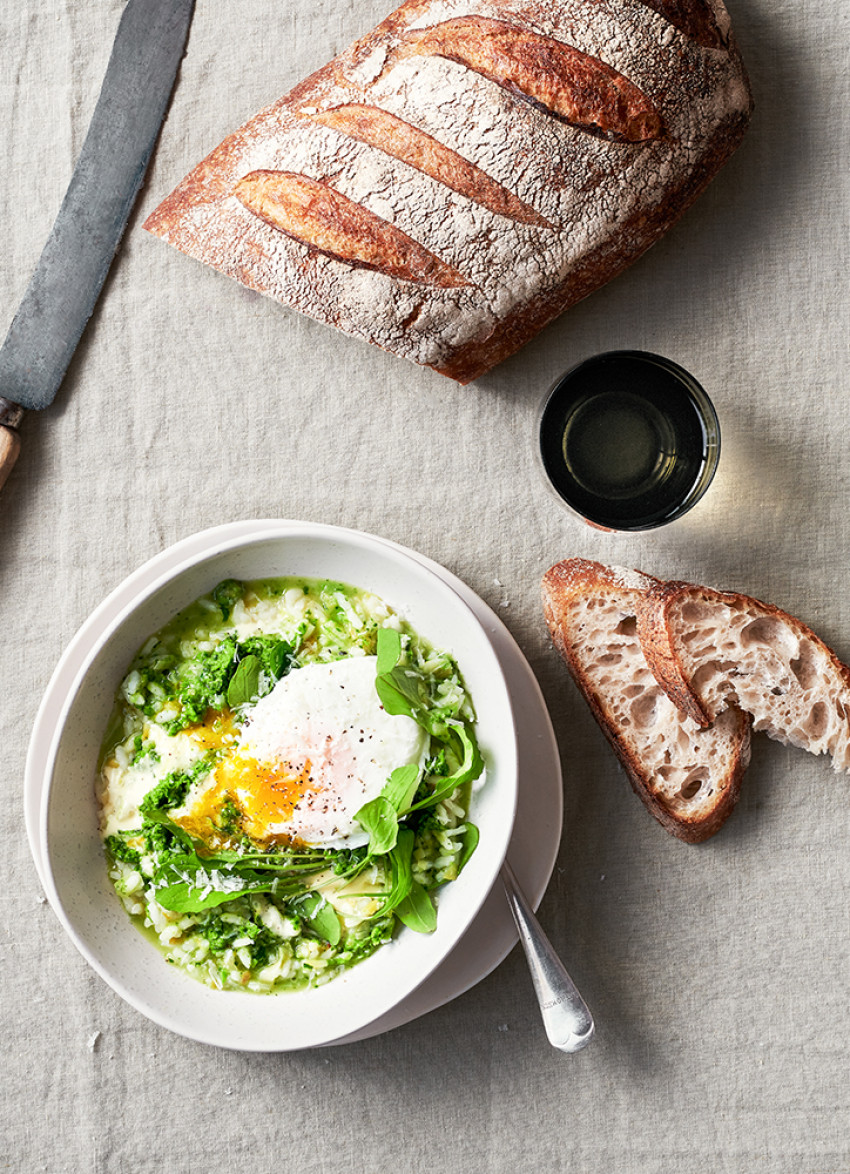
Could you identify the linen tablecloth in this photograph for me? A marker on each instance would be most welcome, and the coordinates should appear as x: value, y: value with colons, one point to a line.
x: 718, y: 974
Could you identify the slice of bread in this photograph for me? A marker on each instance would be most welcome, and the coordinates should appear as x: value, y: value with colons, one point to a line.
x: 710, y: 649
x: 688, y: 773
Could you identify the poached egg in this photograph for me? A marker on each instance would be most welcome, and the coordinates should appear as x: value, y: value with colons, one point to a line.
x: 308, y: 756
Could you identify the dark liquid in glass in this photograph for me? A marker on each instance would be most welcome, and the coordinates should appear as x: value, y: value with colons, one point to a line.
x: 629, y: 440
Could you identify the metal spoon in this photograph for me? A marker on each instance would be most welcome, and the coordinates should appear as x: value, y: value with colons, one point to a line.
x: 568, y: 1022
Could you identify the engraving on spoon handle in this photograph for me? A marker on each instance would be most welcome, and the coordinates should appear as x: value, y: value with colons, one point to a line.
x: 568, y: 1022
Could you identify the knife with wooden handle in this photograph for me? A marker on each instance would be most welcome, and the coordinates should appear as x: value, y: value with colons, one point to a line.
x: 69, y: 276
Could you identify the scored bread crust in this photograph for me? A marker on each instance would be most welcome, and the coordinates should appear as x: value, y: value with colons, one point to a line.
x: 455, y: 179
x: 709, y: 649
x: 688, y: 776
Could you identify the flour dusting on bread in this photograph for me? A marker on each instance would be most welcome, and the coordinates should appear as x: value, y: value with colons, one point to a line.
x: 466, y: 171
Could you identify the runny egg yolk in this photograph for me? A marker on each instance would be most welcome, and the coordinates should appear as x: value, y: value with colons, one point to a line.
x: 263, y: 794
x: 215, y: 732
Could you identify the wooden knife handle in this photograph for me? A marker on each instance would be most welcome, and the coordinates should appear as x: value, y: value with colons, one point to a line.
x: 10, y: 446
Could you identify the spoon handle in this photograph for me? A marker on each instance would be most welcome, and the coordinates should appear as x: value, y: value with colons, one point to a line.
x: 568, y: 1022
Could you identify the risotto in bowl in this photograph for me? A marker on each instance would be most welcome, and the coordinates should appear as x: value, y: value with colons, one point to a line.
x: 280, y: 787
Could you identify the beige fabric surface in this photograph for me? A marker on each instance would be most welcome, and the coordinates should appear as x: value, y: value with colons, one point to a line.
x: 718, y: 974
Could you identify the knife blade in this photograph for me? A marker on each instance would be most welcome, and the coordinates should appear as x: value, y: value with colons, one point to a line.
x: 70, y: 273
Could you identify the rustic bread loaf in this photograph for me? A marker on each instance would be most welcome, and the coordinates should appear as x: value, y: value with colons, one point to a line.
x: 470, y: 168
x: 710, y: 649
x: 689, y: 777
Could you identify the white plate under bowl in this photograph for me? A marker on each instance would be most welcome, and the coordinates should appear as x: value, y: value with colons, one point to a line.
x: 536, y: 835
x: 71, y: 855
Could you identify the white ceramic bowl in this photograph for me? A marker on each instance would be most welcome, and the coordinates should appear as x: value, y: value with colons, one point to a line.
x: 73, y: 863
